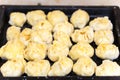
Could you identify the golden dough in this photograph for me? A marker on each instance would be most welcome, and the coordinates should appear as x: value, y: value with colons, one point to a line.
x: 17, y: 19
x: 56, y: 16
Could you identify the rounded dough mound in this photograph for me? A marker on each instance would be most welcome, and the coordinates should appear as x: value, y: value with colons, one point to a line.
x: 65, y: 27
x: 12, y: 33
x: 41, y: 36
x: 101, y: 23
x: 62, y: 67
x: 13, y: 49
x: 103, y: 36
x: 17, y: 19
x: 25, y: 36
x: 56, y: 50
x: 43, y: 24
x: 85, y: 66
x: 35, y: 51
x: 85, y: 34
x: 56, y: 16
x: 81, y: 49
x: 37, y: 68
x: 107, y: 51
x: 35, y: 16
x: 13, y: 68
x: 79, y: 18
x: 108, y: 68
x: 63, y: 38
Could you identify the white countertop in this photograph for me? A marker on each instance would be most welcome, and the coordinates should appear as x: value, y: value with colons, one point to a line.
x: 61, y: 2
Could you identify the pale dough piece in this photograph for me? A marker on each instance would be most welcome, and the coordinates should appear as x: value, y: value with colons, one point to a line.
x: 108, y: 68
x: 85, y: 66
x: 43, y: 24
x: 81, y: 49
x: 41, y: 36
x: 101, y: 23
x: 12, y: 33
x: 35, y: 51
x: 103, y: 36
x: 62, y: 67
x: 56, y: 16
x: 13, y: 68
x: 63, y: 38
x: 79, y: 18
x: 85, y: 34
x: 56, y: 50
x: 107, y: 51
x: 33, y: 17
x: 65, y: 27
x: 37, y: 68
x: 17, y: 19
x: 13, y: 49
x: 25, y: 36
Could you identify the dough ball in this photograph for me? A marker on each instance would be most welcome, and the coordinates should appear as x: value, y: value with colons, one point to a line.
x: 13, y: 68
x: 107, y: 51
x: 103, y: 36
x: 17, y: 19
x: 101, y: 23
x: 85, y: 34
x: 41, y: 36
x: 63, y: 38
x: 12, y: 33
x: 65, y: 27
x: 13, y: 49
x: 37, y: 68
x: 56, y: 50
x: 79, y: 18
x: 35, y: 16
x: 81, y: 49
x: 62, y: 67
x: 108, y: 68
x: 35, y: 51
x: 25, y: 36
x: 43, y: 24
x: 85, y: 66
x: 56, y: 16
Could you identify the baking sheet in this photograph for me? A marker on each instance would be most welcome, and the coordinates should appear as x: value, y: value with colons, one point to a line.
x: 94, y: 11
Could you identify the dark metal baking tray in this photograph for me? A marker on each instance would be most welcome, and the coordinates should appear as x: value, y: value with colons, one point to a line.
x: 94, y: 11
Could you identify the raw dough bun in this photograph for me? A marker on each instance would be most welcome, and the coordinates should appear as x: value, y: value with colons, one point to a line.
x: 37, y: 68
x: 43, y: 24
x: 107, y: 51
x: 35, y: 51
x: 63, y: 38
x: 25, y: 36
x: 108, y: 68
x: 103, y: 36
x: 17, y: 19
x: 85, y: 34
x: 13, y: 68
x: 12, y: 33
x: 13, y: 49
x: 79, y: 18
x: 62, y: 67
x: 65, y: 27
x: 56, y: 16
x: 41, y: 36
x: 101, y: 23
x: 81, y: 49
x: 35, y: 16
x: 85, y: 66
x: 56, y: 50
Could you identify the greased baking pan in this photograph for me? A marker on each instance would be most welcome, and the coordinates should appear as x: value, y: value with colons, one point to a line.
x: 94, y: 11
